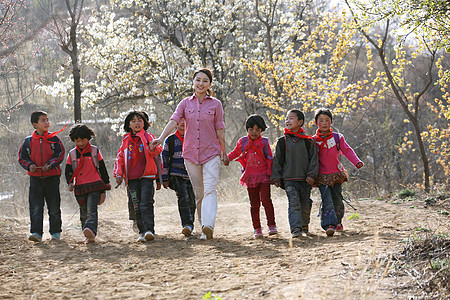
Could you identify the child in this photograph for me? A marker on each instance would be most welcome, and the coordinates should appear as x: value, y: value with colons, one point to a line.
x: 255, y: 156
x: 331, y: 172
x: 295, y: 165
x: 41, y: 154
x: 176, y: 177
x: 87, y: 176
x: 135, y: 163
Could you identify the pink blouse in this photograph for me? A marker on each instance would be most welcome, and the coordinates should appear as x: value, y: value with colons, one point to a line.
x: 202, y: 121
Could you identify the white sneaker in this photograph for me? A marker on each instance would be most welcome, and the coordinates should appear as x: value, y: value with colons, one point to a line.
x: 149, y: 236
x: 141, y: 238
x: 203, y: 237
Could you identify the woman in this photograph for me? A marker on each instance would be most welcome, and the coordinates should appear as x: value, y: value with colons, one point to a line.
x: 204, y: 140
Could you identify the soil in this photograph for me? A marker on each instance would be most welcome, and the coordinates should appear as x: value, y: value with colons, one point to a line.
x: 354, y: 264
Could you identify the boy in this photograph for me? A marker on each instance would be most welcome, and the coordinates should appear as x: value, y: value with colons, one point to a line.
x: 295, y: 165
x: 175, y: 173
x: 41, y: 154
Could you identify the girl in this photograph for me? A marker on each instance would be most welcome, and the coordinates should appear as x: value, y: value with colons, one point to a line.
x: 331, y: 172
x: 255, y: 156
x: 87, y: 176
x: 136, y: 164
x: 204, y: 140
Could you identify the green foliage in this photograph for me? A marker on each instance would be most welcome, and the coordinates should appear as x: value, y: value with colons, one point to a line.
x: 209, y: 296
x: 406, y: 193
x: 353, y: 216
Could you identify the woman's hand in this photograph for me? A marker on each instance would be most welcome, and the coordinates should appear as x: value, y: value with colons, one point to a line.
x: 154, y: 143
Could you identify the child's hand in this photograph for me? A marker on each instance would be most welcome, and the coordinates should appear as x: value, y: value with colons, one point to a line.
x: 46, y: 167
x: 277, y: 184
x: 154, y: 143
x: 33, y: 168
x: 158, y: 185
x: 225, y: 160
x: 102, y: 198
x: 310, y: 180
x: 165, y: 184
x: 71, y: 187
x: 108, y: 186
x: 119, y: 180
x: 360, y: 165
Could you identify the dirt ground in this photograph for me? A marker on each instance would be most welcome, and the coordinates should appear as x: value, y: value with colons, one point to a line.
x: 233, y: 265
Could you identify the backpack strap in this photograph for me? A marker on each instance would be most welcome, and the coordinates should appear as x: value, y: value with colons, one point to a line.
x: 94, y: 155
x: 266, y: 148
x: 336, y: 139
x: 73, y: 158
x: 244, y: 142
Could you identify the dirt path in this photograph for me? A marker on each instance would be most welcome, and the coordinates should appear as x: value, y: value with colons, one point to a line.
x: 232, y: 266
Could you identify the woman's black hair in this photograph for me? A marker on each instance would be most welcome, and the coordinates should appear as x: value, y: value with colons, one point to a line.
x: 257, y: 120
x: 80, y: 131
x: 323, y: 111
x: 300, y: 115
x: 131, y: 115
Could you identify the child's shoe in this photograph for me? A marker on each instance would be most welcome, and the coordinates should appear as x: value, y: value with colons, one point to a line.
x: 330, y: 230
x: 90, y: 235
x: 273, y: 230
x: 55, y: 237
x: 258, y: 233
x: 187, y: 230
x: 297, y: 233
x: 208, y: 231
x: 34, y: 237
x: 149, y: 236
x: 203, y: 237
x: 141, y: 238
x: 339, y: 228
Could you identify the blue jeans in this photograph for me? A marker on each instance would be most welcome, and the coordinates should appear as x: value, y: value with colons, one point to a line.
x: 186, y: 200
x: 298, y: 193
x: 88, y: 210
x: 44, y: 188
x: 141, y: 192
x: 328, y: 215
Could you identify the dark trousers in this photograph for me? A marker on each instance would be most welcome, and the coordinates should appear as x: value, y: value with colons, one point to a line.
x: 44, y: 189
x: 186, y: 200
x: 258, y: 195
x: 88, y: 210
x: 141, y: 192
x: 299, y: 208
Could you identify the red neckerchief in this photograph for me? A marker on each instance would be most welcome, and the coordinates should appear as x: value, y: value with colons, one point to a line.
x: 77, y: 171
x: 46, y: 137
x: 300, y: 133
x: 180, y: 137
x: 134, y: 140
x: 251, y: 144
x: 323, y: 138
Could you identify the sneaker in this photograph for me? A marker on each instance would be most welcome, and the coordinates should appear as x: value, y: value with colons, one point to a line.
x: 273, y: 230
x: 297, y: 233
x: 203, y: 237
x: 330, y: 230
x: 34, y: 237
x: 55, y: 236
x: 89, y: 234
x: 149, y: 236
x: 339, y: 228
x: 187, y: 230
x: 258, y: 233
x: 208, y: 231
x: 141, y: 238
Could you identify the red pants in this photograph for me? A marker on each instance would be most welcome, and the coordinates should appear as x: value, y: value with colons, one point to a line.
x: 257, y: 195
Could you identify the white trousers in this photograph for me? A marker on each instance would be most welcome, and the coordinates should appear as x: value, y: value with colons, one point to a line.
x: 204, y: 179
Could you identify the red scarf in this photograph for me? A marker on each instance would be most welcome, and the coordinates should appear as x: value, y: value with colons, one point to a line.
x: 300, y: 133
x: 180, y: 137
x: 46, y: 137
x: 77, y: 171
x: 323, y: 138
x: 252, y: 144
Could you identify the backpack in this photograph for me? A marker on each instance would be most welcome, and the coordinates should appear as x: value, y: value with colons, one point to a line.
x: 171, y: 145
x: 244, y: 142
x: 94, y: 154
